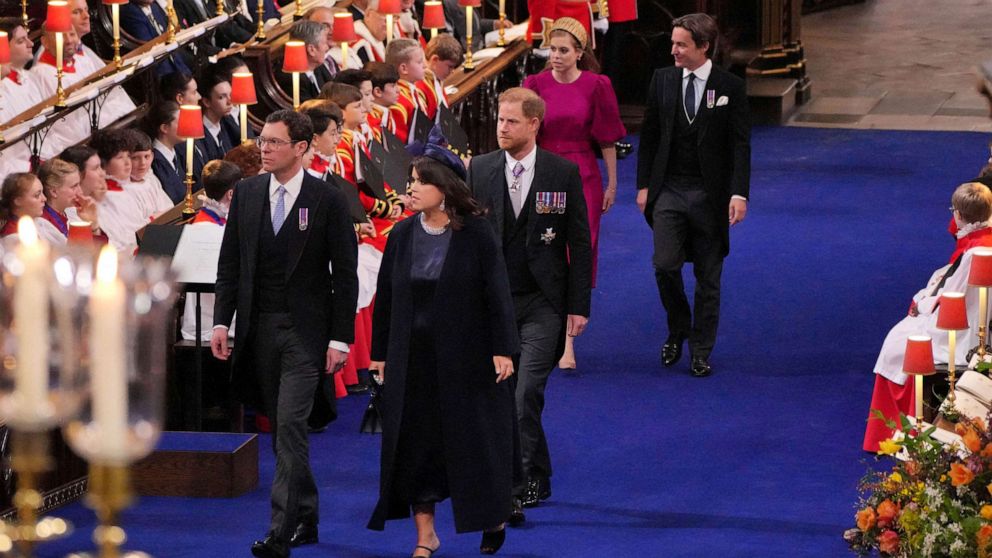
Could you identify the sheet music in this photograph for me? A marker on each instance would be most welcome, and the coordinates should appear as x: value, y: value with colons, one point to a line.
x: 197, y: 252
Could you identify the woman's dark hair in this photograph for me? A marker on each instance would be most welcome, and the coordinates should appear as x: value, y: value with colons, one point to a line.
x: 160, y: 113
x: 353, y: 76
x: 14, y: 186
x: 173, y: 84
x: 458, y: 200
x: 226, y: 66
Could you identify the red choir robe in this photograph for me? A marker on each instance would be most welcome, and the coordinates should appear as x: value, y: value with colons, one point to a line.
x: 433, y: 94
x: 410, y: 99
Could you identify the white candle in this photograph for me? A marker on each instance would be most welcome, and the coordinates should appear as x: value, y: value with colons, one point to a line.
x: 116, y: 15
x: 296, y: 90
x: 107, y: 357
x: 344, y: 55
x: 59, y: 47
x: 31, y: 321
x: 244, y: 119
x: 389, y: 28
x: 468, y: 25
x: 189, y: 156
x: 502, y: 7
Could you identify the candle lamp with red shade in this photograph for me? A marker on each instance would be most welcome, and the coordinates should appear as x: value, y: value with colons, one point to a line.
x: 190, y: 129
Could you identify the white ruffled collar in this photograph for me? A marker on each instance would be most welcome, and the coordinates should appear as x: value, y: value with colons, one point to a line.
x: 221, y: 209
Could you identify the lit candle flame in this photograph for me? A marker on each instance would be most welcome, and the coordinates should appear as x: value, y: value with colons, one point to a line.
x: 26, y: 231
x: 106, y: 265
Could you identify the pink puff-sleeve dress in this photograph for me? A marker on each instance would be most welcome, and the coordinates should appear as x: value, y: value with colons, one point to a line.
x: 580, y: 116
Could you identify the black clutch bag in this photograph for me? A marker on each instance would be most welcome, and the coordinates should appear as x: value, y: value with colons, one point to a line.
x: 372, y: 418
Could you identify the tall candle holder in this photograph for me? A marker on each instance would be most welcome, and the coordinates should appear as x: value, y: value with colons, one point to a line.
x: 294, y: 61
x: 502, y: 31
x: 59, y: 21
x: 918, y: 362
x: 190, y: 129
x: 115, y: 17
x: 468, y: 5
x: 120, y: 419
x: 390, y: 9
x: 220, y: 8
x: 243, y: 94
x: 952, y: 316
x: 40, y: 376
x: 4, y: 59
x: 298, y: 14
x: 343, y: 32
x: 433, y: 16
x: 260, y: 31
x: 170, y: 15
x: 24, y: 14
x: 980, y: 276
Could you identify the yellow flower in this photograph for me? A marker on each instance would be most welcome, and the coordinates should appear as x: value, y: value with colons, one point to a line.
x: 892, y: 482
x: 989, y: 488
x: 986, y: 512
x: 888, y: 447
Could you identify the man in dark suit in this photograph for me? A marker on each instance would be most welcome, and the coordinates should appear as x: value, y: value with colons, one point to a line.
x: 314, y: 36
x: 538, y: 210
x: 145, y: 20
x: 287, y: 266
x: 693, y: 176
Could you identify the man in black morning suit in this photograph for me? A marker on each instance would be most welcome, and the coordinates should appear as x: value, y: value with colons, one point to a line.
x: 537, y: 208
x: 693, y: 175
x: 287, y: 266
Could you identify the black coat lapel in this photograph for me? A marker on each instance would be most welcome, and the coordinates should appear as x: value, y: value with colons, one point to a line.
x: 255, y: 210
x: 496, y: 183
x: 306, y: 203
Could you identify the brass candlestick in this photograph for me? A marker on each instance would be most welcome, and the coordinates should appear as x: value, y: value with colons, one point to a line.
x: 469, y: 64
x: 24, y: 13
x: 170, y: 14
x: 604, y: 8
x: 109, y: 493
x: 188, y: 211
x: 116, y: 15
x: 59, y: 62
x: 220, y: 7
x: 30, y: 458
x: 502, y: 32
x: 260, y: 32
x: 298, y: 14
x: 983, y: 294
x: 951, y: 347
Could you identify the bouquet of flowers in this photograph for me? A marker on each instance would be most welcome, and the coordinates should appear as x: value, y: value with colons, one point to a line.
x: 935, y: 502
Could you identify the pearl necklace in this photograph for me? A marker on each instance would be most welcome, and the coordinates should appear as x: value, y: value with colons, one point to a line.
x: 433, y: 231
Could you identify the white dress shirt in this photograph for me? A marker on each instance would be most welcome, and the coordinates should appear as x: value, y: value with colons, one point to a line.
x: 168, y: 152
x: 293, y: 187
x: 213, y: 129
x: 526, y: 178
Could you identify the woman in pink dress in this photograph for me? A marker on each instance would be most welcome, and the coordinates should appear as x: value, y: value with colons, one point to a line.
x: 581, y: 115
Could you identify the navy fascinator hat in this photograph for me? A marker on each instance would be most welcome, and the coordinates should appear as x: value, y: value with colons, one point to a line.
x: 437, y: 148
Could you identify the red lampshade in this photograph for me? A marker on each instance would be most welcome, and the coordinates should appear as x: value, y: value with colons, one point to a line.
x: 433, y: 15
x: 243, y: 89
x: 190, y: 122
x: 344, y: 28
x: 59, y: 17
x: 981, y: 268
x: 4, y: 48
x: 387, y: 7
x: 952, y: 312
x: 467, y: 3
x: 918, y: 359
x: 294, y: 57
x: 109, y: 2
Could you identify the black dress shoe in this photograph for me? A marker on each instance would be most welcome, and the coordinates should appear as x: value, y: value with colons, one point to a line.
x: 306, y: 533
x: 356, y: 389
x: 701, y: 367
x: 492, y: 541
x: 671, y: 351
x: 270, y: 547
x: 543, y: 489
x: 517, y: 517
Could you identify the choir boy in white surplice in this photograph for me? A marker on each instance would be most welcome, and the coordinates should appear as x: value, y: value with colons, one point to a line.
x: 972, y: 203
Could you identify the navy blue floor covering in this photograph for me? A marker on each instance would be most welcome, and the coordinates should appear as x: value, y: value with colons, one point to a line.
x: 761, y: 459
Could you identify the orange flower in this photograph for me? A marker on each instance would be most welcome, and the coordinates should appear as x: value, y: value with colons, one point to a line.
x: 987, y: 452
x: 983, y: 535
x: 960, y: 475
x: 887, y: 512
x: 972, y: 441
x: 986, y: 512
x: 912, y: 468
x: 888, y: 542
x: 866, y: 518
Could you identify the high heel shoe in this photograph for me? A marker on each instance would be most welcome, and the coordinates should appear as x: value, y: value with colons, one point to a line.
x: 430, y: 551
x: 492, y: 541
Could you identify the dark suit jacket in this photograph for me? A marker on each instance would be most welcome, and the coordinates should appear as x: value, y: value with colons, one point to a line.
x: 135, y: 23
x: 724, y: 137
x: 307, y: 90
x: 563, y: 267
x: 321, y: 303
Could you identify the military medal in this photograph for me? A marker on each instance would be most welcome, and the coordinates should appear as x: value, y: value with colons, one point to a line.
x: 304, y: 218
x: 548, y: 236
x: 710, y: 98
x: 542, y: 202
x: 558, y: 202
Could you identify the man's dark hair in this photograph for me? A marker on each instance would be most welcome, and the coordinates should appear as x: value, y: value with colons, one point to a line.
x: 382, y: 74
x: 8, y: 24
x: 219, y: 177
x: 341, y: 94
x: 300, y: 128
x: 173, y: 84
x: 703, y: 29
x: 161, y: 112
x: 321, y: 113
x: 108, y: 143
x: 353, y: 76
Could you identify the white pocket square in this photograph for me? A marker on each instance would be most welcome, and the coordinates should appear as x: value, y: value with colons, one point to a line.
x: 723, y: 100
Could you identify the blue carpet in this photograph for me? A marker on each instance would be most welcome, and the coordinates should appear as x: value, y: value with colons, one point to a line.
x: 761, y: 459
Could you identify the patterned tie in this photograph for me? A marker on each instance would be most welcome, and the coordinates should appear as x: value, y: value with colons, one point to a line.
x: 279, y: 217
x: 516, y: 193
x: 690, y: 98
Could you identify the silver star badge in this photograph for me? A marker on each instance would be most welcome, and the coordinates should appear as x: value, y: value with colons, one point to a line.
x: 548, y: 236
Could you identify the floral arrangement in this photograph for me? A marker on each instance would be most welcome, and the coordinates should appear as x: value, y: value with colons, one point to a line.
x: 937, y: 502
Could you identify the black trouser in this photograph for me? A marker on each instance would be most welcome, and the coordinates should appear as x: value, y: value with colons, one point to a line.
x: 288, y: 377
x: 540, y: 329
x: 685, y: 224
